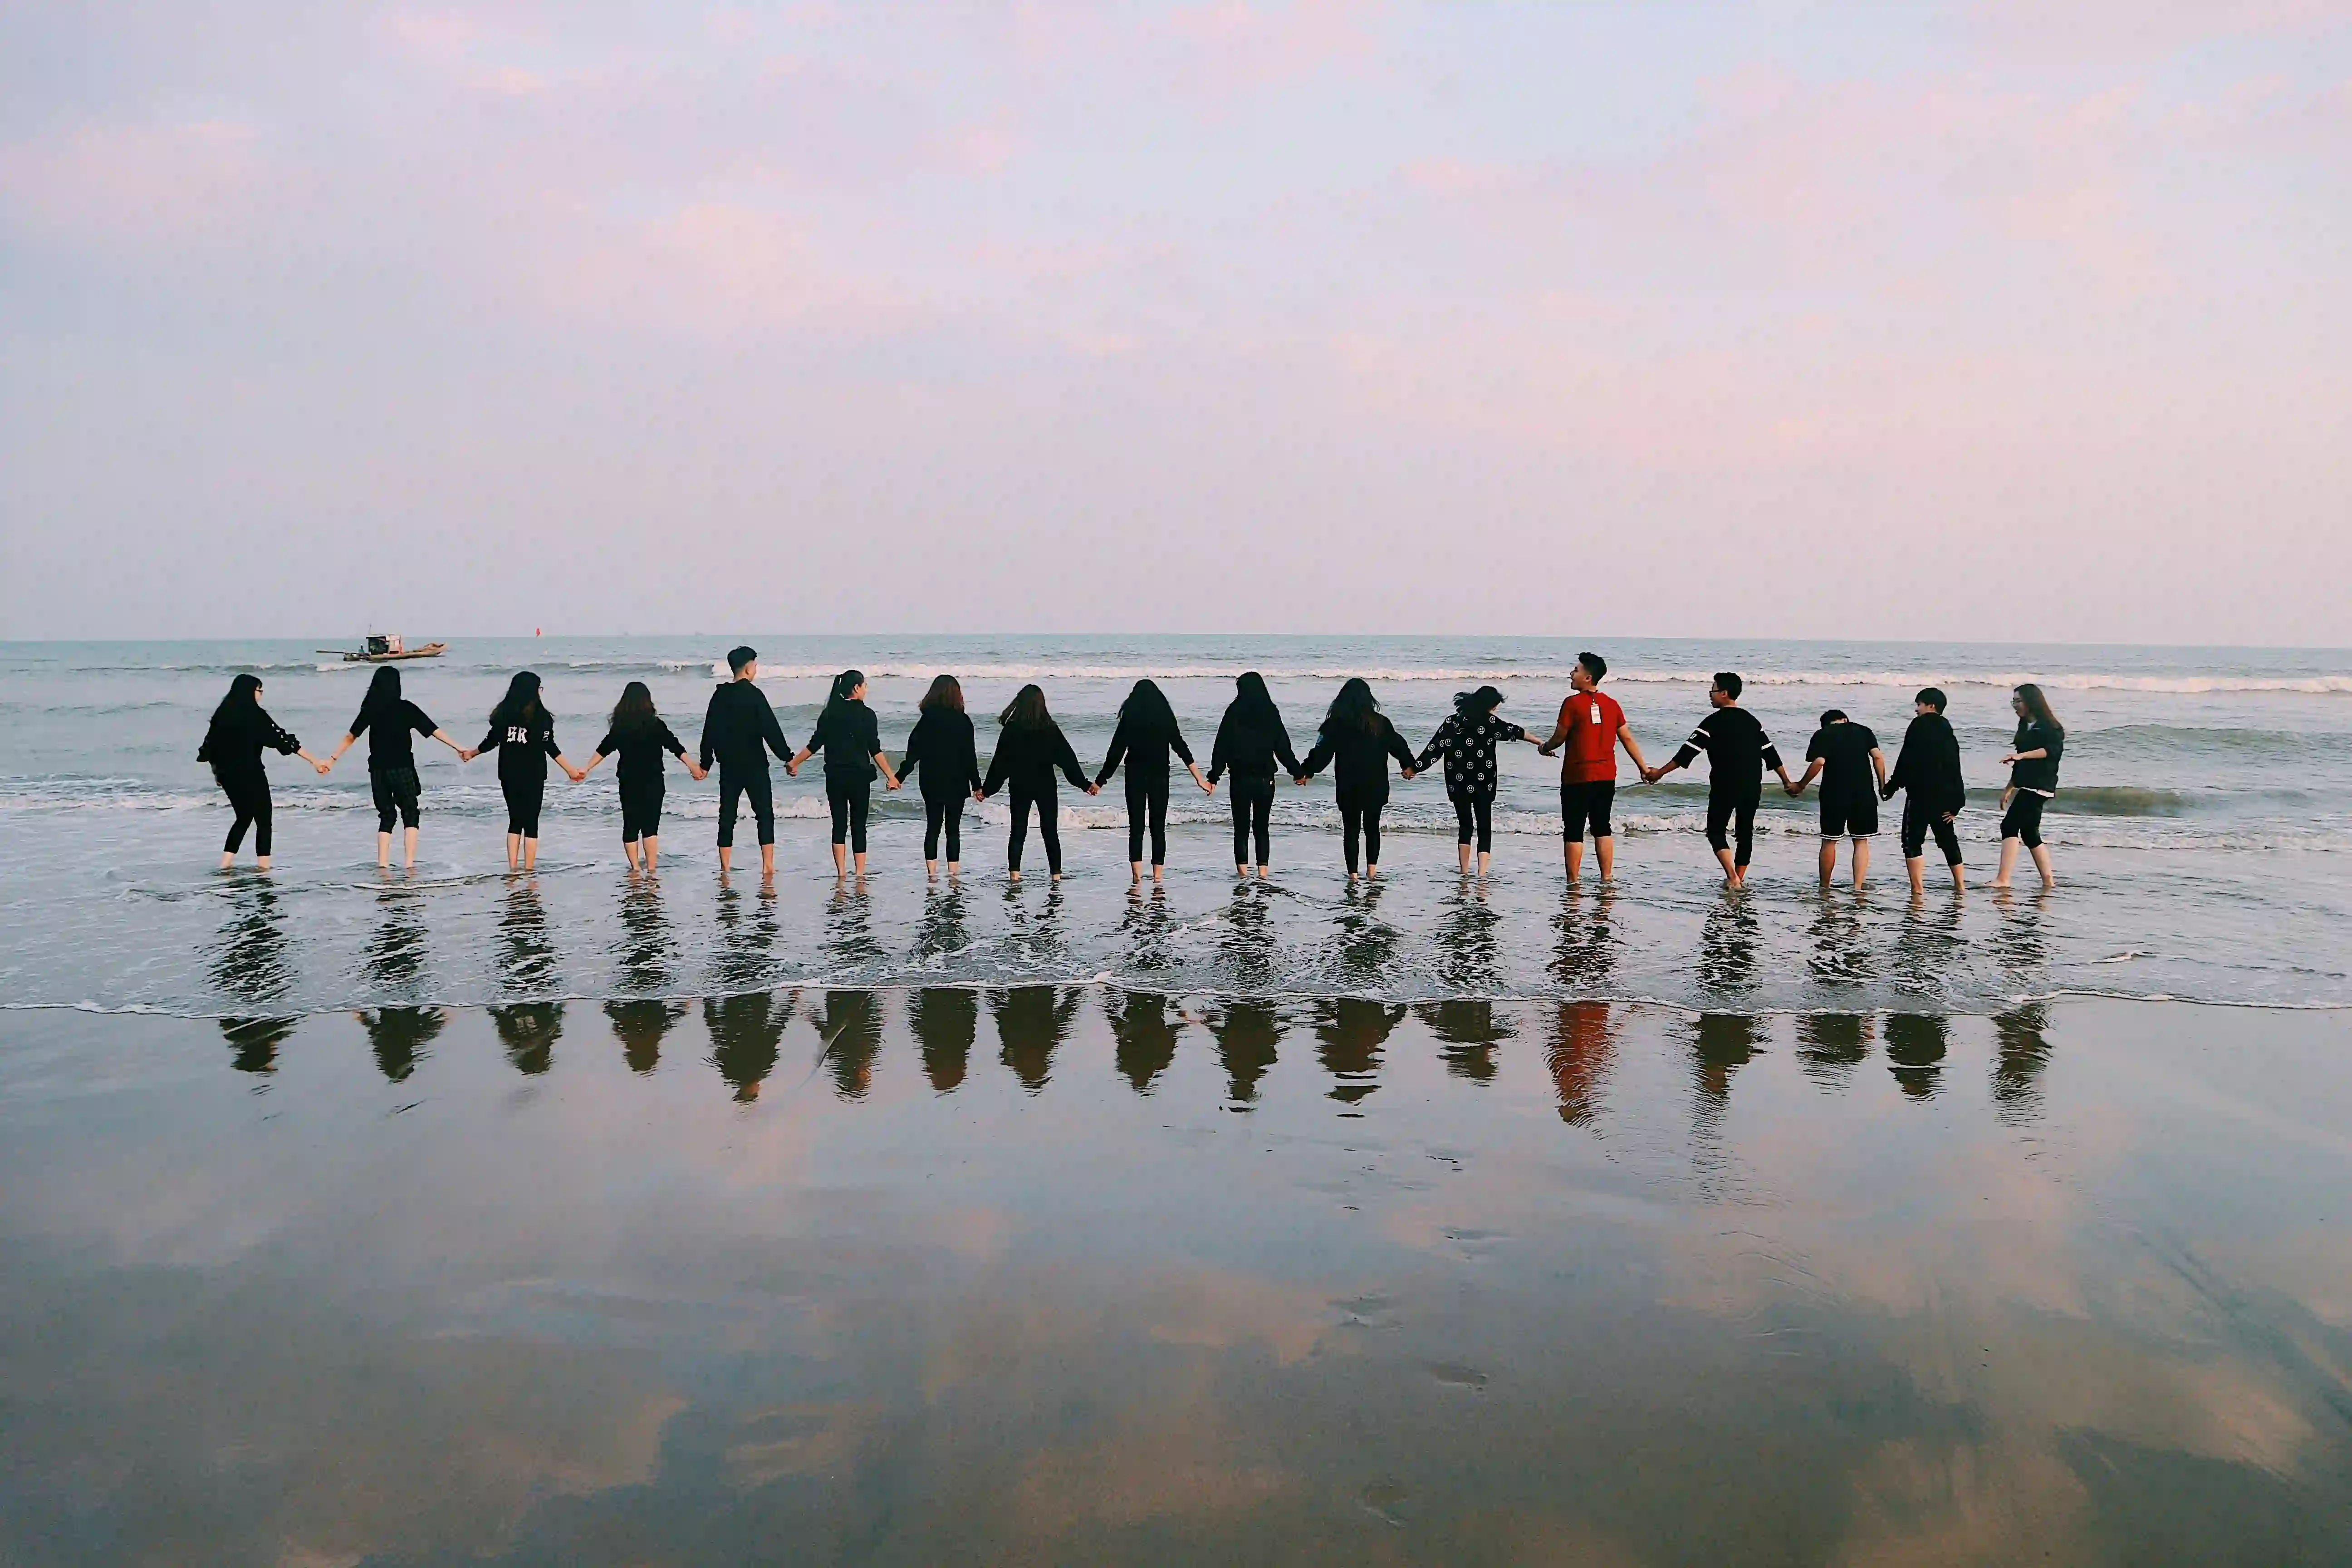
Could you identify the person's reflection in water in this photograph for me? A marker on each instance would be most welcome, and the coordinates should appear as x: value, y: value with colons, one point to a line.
x: 1466, y: 947
x: 1248, y: 1035
x: 850, y: 1023
x: 1585, y: 956
x: 1148, y: 927
x: 2021, y: 1044
x: 1144, y: 1026
x: 1367, y: 942
x: 1839, y: 951
x: 1927, y: 947
x: 250, y: 963
x: 1830, y: 1045
x: 640, y: 1026
x: 1349, y: 1036
x: 1245, y: 949
x: 943, y: 930
x: 1721, y: 1044
x: 527, y: 962
x: 1915, y: 1044
x: 746, y: 1032
x: 945, y: 1023
x: 1469, y: 1031
x: 1031, y: 1021
x: 849, y: 940
x: 1583, y: 1051
x: 746, y: 946
x: 1032, y: 937
x: 529, y: 1030
x: 396, y: 946
x: 398, y: 1036
x: 2018, y: 943
x: 644, y: 956
x: 253, y: 1043
x: 1728, y: 943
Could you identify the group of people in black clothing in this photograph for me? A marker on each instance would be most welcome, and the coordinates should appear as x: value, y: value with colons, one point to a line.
x: 1355, y: 739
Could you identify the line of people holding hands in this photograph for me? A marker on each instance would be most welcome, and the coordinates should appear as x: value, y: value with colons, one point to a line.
x: 1355, y: 739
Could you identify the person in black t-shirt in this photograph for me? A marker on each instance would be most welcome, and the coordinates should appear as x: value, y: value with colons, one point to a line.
x: 1844, y: 754
x: 522, y: 732
x: 388, y: 720
x: 851, y: 739
x: 1738, y: 752
x: 639, y: 737
x: 2032, y: 781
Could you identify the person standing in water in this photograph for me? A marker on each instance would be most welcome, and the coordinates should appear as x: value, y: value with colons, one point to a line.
x: 1928, y: 772
x: 637, y: 734
x: 942, y: 746
x: 1029, y: 748
x: 851, y: 739
x: 1844, y: 755
x: 1591, y: 726
x: 735, y: 728
x: 1738, y: 752
x: 239, y: 732
x: 389, y: 720
x: 1146, y: 733
x: 2032, y: 781
x: 1468, y: 739
x: 522, y: 732
x: 1359, y: 738
x: 1250, y: 741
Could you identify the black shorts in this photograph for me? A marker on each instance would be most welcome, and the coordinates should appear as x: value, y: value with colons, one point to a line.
x: 398, y: 794
x: 1844, y: 817
x: 2022, y: 820
x: 1585, y: 803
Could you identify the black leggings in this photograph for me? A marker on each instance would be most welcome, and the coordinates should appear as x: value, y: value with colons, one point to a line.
x: 1917, y: 822
x: 525, y: 796
x: 398, y: 795
x: 849, y: 800
x: 944, y: 812
x: 1147, y: 798
x: 641, y: 808
x: 1364, y: 819
x: 1737, y: 813
x: 1478, y: 815
x: 2023, y: 819
x: 248, y: 798
x: 1252, y: 809
x: 1049, y: 827
x: 752, y: 782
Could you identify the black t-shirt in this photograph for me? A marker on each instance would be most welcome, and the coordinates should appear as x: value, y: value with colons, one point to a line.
x: 389, y: 729
x: 1738, y: 752
x: 1843, y: 751
x: 523, y: 746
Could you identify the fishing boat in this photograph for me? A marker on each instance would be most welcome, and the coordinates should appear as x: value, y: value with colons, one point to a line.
x: 383, y: 648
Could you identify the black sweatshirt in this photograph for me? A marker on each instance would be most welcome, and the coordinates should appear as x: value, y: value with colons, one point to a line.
x: 1929, y: 766
x: 1250, y: 744
x: 848, y: 735
x: 235, y: 741
x: 941, y: 741
x: 1028, y: 758
x: 738, y: 722
x: 1363, y: 775
x: 523, y: 747
x: 1145, y: 744
x: 389, y: 731
x: 1738, y: 752
x: 2037, y: 775
x: 641, y: 747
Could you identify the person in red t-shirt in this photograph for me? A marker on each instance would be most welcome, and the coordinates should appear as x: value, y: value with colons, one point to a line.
x: 1592, y: 726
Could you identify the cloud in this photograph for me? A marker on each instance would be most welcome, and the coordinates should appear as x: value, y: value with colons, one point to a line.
x: 135, y: 185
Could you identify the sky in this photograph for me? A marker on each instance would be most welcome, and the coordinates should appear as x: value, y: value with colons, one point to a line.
x: 2025, y: 320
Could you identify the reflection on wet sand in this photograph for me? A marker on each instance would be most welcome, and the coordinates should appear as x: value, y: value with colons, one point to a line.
x: 250, y: 956
x: 1721, y: 1044
x: 944, y: 928
x: 1928, y: 946
x: 1245, y: 946
x: 641, y: 1026
x: 1727, y: 941
x: 398, y: 1035
x: 1467, y: 941
x: 1031, y: 1022
x: 1366, y: 944
x: 1584, y: 954
x: 1839, y: 951
x: 1145, y: 1026
x: 253, y: 1042
x: 746, y: 1034
x: 850, y: 1023
x: 1349, y: 1034
x: 529, y: 1030
x: 1468, y: 1032
x: 642, y: 955
x: 747, y: 944
x: 527, y: 955
x: 945, y: 1024
x: 1583, y: 1050
x: 1830, y: 1045
x: 1247, y: 1035
x: 2023, y: 1050
x: 397, y: 950
x: 1915, y: 1047
x: 1147, y: 928
x: 849, y: 939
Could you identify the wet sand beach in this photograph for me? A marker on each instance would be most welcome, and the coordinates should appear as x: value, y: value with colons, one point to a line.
x: 1074, y: 1274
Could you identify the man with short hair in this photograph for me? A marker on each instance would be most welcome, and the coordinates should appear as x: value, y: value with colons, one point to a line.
x: 1738, y: 752
x: 737, y: 724
x: 1842, y: 754
x: 1928, y: 770
x: 1592, y: 727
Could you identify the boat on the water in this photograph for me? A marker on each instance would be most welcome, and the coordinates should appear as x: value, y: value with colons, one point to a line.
x: 383, y: 648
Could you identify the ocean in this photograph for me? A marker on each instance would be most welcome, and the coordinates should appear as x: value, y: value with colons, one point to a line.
x: 2200, y: 837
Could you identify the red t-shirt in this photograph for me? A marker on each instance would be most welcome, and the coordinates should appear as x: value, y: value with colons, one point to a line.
x: 1589, y: 754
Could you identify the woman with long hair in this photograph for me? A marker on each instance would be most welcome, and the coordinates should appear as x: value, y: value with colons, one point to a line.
x: 239, y: 732
x: 522, y: 732
x: 851, y: 739
x: 1250, y: 741
x: 640, y: 736
x: 1359, y: 738
x: 1466, y: 739
x: 942, y: 746
x: 1029, y: 748
x: 1146, y: 733
x: 2032, y: 781
x: 390, y: 721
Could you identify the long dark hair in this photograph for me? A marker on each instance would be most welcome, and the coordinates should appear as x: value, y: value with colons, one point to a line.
x: 1472, y: 706
x: 1147, y: 704
x: 2037, y: 711
x: 1252, y: 699
x: 847, y: 682
x: 240, y: 698
x: 521, y: 704
x: 1354, y: 709
x: 946, y: 691
x: 382, y: 692
x: 1026, y: 710
x: 635, y: 708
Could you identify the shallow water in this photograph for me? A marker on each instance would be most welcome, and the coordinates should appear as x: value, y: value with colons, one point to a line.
x: 1074, y: 1274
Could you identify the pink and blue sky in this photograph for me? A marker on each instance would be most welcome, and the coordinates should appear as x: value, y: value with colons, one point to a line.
x: 2007, y: 321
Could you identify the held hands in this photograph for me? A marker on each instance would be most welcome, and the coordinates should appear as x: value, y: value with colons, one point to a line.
x: 580, y: 775
x: 1793, y: 787
x: 698, y: 771
x: 466, y: 753
x: 1093, y: 789
x: 895, y: 782
x: 1300, y: 780
x: 792, y: 770
x: 322, y: 768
